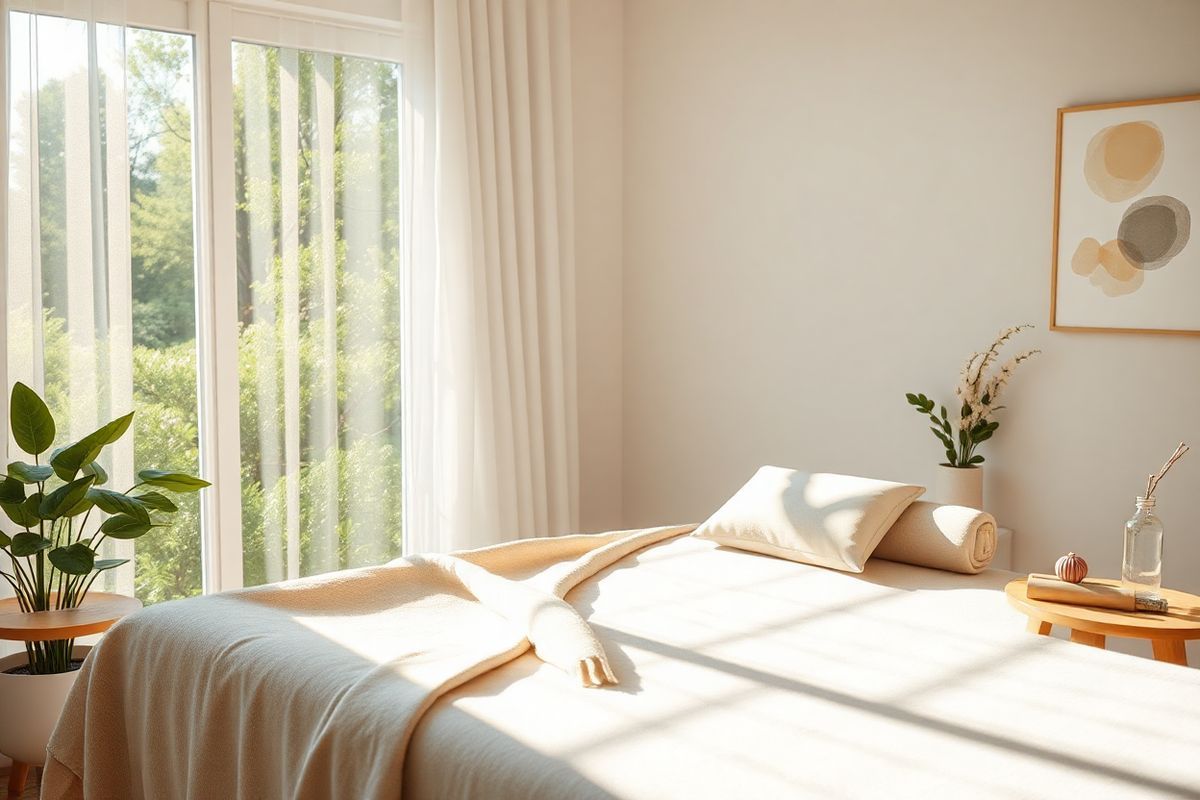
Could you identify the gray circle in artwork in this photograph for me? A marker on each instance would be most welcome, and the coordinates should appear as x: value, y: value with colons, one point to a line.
x: 1153, y: 231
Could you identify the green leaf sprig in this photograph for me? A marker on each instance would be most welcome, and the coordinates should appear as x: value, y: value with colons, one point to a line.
x: 961, y: 433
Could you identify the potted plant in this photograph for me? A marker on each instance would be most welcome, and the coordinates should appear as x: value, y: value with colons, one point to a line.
x: 960, y: 477
x: 53, y: 558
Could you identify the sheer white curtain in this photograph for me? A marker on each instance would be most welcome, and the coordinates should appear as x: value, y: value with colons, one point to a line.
x: 68, y: 324
x: 5, y: 591
x: 397, y: 274
x: 98, y: 265
x: 493, y: 446
x: 318, y: 184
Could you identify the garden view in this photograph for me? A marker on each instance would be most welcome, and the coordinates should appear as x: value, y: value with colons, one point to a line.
x: 319, y: 333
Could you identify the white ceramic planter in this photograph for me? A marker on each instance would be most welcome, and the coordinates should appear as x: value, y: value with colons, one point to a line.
x: 30, y: 706
x: 959, y: 486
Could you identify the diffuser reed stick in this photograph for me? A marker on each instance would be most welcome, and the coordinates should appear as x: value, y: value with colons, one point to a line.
x: 1152, y: 481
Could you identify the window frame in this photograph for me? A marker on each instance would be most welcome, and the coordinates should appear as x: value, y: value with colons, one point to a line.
x: 212, y: 26
x: 172, y: 16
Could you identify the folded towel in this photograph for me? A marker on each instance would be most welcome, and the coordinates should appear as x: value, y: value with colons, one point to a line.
x: 559, y: 636
x: 953, y: 538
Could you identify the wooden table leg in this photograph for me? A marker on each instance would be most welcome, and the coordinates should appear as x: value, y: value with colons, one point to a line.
x: 1035, y: 625
x: 1090, y: 639
x: 16, y: 779
x: 1173, y: 651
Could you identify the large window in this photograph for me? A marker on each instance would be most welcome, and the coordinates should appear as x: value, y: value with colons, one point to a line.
x: 101, y: 267
x: 221, y: 250
x: 316, y: 149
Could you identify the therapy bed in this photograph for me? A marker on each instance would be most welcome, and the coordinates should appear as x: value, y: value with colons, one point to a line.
x: 738, y: 675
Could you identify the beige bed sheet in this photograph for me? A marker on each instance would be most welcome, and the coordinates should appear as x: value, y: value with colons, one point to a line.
x: 745, y: 676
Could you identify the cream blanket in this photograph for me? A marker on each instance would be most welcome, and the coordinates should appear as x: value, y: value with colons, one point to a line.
x: 745, y: 676
x: 312, y: 688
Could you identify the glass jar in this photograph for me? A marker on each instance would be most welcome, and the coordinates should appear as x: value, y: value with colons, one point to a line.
x: 1141, y: 568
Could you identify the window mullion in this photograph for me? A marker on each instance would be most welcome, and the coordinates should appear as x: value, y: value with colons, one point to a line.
x: 217, y: 299
x: 5, y: 107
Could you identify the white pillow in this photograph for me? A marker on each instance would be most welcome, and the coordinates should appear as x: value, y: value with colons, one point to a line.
x: 820, y: 518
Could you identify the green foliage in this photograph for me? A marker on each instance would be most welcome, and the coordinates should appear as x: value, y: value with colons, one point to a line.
x: 24, y: 512
x: 11, y: 490
x: 28, y: 543
x: 959, y: 445
x: 156, y: 501
x: 68, y: 461
x: 125, y: 526
x: 348, y: 351
x: 74, y: 559
x: 32, y: 425
x: 340, y: 446
x: 64, y: 499
x: 167, y: 564
x: 174, y: 481
x: 96, y: 470
x: 117, y: 503
x: 978, y: 392
x: 53, y: 560
x: 160, y: 202
x: 29, y: 473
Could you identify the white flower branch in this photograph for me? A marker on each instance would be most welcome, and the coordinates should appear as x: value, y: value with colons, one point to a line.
x: 977, y: 394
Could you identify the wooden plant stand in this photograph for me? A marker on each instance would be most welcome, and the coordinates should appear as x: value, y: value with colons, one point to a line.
x: 98, y: 612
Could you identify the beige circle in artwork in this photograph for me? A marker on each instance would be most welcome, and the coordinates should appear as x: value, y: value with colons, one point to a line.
x: 1123, y: 159
x: 1086, y: 258
x: 1106, y: 267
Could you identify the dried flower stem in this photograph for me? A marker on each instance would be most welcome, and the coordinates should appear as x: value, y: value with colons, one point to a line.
x: 968, y: 422
x: 1152, y: 484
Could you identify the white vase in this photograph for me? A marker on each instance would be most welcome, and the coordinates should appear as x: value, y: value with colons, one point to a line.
x: 30, y: 706
x: 959, y: 486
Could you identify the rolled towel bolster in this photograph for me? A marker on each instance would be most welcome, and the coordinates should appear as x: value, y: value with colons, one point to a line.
x: 985, y: 544
x: 953, y: 538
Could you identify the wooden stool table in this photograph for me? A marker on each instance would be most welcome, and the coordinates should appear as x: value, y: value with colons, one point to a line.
x: 1167, y: 632
x: 98, y: 612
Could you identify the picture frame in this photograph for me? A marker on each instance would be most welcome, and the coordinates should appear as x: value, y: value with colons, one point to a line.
x: 1126, y: 255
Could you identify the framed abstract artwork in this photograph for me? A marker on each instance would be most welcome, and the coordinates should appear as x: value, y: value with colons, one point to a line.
x: 1127, y: 184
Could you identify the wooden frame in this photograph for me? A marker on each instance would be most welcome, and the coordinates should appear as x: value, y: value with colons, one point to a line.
x: 1058, y: 155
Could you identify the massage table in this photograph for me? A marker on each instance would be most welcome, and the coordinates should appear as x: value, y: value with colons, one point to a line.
x: 739, y: 675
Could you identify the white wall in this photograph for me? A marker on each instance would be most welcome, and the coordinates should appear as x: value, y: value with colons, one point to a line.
x: 829, y: 204
x: 596, y: 39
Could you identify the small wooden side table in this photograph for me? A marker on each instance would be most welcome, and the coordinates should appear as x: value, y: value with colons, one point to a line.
x: 98, y: 612
x: 1167, y: 632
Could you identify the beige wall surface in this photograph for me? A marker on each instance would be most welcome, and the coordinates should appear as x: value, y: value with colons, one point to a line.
x: 829, y: 204
x: 596, y: 39
x: 389, y: 10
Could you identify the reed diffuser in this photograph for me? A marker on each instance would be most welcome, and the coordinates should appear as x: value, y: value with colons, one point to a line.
x: 1141, y: 566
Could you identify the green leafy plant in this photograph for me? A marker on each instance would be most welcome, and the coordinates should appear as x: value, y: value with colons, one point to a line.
x: 977, y: 394
x: 54, y: 559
